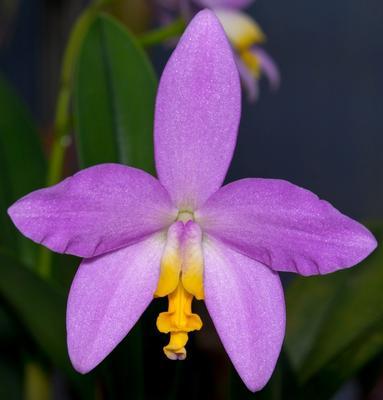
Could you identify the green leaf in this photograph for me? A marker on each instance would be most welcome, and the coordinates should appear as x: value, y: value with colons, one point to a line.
x: 346, y: 364
x: 40, y: 308
x: 114, y: 94
x: 335, y: 323
x: 308, y: 302
x: 8, y: 330
x: 10, y: 381
x: 38, y: 305
x: 22, y: 165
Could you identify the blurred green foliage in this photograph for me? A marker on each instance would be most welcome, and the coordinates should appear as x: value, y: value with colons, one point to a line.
x: 22, y: 167
x: 114, y: 95
x: 335, y: 324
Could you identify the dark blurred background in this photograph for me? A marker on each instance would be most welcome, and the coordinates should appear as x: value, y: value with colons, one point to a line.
x: 321, y: 130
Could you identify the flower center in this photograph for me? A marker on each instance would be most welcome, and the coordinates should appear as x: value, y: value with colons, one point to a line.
x: 185, y: 216
x: 181, y: 279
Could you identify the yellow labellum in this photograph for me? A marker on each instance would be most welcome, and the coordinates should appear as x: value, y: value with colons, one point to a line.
x: 252, y: 63
x: 178, y: 321
x: 192, y: 261
x: 171, y: 262
x: 175, y: 350
x: 181, y: 279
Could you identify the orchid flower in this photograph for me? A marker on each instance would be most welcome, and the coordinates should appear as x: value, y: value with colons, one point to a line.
x: 244, y: 34
x: 253, y: 62
x: 184, y: 236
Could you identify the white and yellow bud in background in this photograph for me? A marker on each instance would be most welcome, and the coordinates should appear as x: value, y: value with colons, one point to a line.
x: 246, y: 37
x: 242, y: 31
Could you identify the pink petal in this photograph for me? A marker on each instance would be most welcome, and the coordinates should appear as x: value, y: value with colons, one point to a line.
x: 249, y: 81
x: 108, y: 295
x: 268, y: 67
x: 285, y: 227
x: 246, y: 303
x: 197, y: 113
x: 99, y: 209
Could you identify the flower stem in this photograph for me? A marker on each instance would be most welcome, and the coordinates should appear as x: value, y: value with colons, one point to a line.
x: 62, y: 122
x: 62, y: 117
x: 157, y: 36
x: 37, y: 382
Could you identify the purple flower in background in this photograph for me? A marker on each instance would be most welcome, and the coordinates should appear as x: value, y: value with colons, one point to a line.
x: 244, y: 34
x: 253, y: 62
x: 183, y: 235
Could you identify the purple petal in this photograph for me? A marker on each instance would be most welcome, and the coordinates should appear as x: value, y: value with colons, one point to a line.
x: 99, y: 209
x: 249, y: 82
x: 246, y: 303
x: 108, y: 295
x: 268, y: 67
x: 285, y: 227
x: 197, y: 113
x: 236, y: 4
